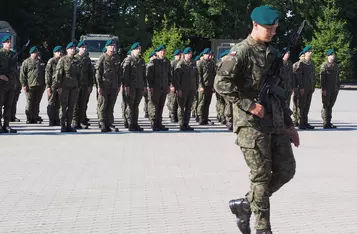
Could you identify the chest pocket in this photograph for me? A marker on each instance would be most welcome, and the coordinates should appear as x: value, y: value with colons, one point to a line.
x: 257, y: 70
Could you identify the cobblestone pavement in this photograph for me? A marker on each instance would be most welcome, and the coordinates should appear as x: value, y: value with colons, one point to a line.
x: 173, y: 182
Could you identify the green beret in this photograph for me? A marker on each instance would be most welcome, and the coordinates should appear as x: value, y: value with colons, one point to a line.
x: 104, y: 50
x: 224, y: 53
x: 197, y: 58
x: 134, y: 46
x: 187, y: 50
x: 57, y: 48
x: 265, y: 15
x: 306, y: 49
x: 33, y: 49
x: 160, y: 47
x: 70, y: 45
x: 81, y: 43
x: 109, y: 42
x: 177, y: 52
x: 5, y: 38
x: 205, y: 51
x: 152, y: 53
x: 330, y: 51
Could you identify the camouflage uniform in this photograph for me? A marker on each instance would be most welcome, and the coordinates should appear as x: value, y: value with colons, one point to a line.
x: 53, y: 98
x: 207, y: 72
x: 159, y: 79
x: 288, y: 79
x: 85, y: 83
x: 266, y: 149
x: 330, y: 82
x: 32, y: 77
x: 305, y: 78
x: 172, y: 96
x: 186, y: 80
x: 67, y: 78
x: 108, y: 77
x: 196, y: 97
x: 16, y: 97
x: 134, y: 79
x: 8, y: 68
x: 295, y: 96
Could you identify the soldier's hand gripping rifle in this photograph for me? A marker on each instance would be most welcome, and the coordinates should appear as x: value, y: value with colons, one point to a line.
x: 270, y: 86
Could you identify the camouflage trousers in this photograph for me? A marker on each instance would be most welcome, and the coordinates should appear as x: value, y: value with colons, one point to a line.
x: 156, y: 106
x: 228, y: 111
x: 146, y: 102
x: 68, y: 99
x: 272, y: 164
x: 124, y: 105
x: 7, y: 92
x: 106, y: 103
x: 53, y: 106
x: 328, y: 102
x: 204, y: 101
x: 295, y: 107
x: 132, y: 108
x: 220, y: 106
x: 172, y: 104
x: 194, y: 104
x: 184, y: 107
x: 14, y: 102
x: 34, y: 97
x: 81, y: 105
x: 304, y: 104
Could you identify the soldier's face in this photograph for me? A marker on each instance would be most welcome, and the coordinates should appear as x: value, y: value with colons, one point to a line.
x: 178, y: 57
x: 265, y: 33
x: 136, y: 51
x: 206, y: 56
x: 7, y: 45
x: 308, y: 55
x: 161, y: 54
x: 58, y: 54
x: 34, y: 55
x: 70, y: 51
x: 110, y: 48
x: 286, y: 56
x: 188, y: 56
x: 331, y: 58
x: 82, y: 49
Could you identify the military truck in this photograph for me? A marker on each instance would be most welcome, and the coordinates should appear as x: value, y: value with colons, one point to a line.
x: 96, y: 43
x: 6, y: 29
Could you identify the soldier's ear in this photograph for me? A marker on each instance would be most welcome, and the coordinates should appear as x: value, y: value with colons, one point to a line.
x: 255, y: 25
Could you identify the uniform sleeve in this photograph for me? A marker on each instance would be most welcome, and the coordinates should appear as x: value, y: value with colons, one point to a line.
x: 23, y: 74
x: 126, y: 71
x: 48, y: 74
x: 298, y: 75
x: 338, y: 77
x: 58, y: 77
x: 200, y: 74
x: 170, y: 77
x: 226, y: 80
x: 323, y: 76
x: 100, y: 72
x: 150, y: 71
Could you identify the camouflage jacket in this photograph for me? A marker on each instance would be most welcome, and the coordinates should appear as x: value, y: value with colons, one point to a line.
x: 207, y: 72
x: 108, y: 74
x: 134, y: 72
x: 159, y: 74
x: 50, y: 71
x: 330, y: 76
x: 240, y: 78
x: 173, y: 66
x: 67, y: 73
x: 8, y: 65
x: 287, y: 76
x: 86, y: 70
x: 186, y: 76
x: 305, y: 75
x: 32, y: 73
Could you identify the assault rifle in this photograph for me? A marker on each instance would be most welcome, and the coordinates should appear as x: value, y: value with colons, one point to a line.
x: 270, y: 86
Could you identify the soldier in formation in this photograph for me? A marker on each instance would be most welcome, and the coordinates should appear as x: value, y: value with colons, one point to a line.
x: 172, y: 96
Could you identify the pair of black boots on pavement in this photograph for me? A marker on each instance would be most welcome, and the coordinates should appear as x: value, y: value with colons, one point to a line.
x: 304, y: 126
x: 157, y: 126
x: 67, y: 128
x: 104, y: 127
x: 328, y: 125
x: 37, y: 120
x: 241, y: 209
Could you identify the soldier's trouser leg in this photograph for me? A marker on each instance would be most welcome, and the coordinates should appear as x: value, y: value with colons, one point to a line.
x: 154, y: 99
x: 80, y: 108
x: 218, y: 104
x: 305, y: 108
x: 124, y: 106
x: 174, y: 104
x: 288, y: 101
x: 270, y: 165
x: 133, y: 101
x: 7, y: 94
x: 228, y: 111
x: 14, y: 103
x: 68, y: 101
x: 160, y: 107
x: 30, y: 103
x: 207, y: 98
x: 112, y: 99
x: 296, y: 113
x: 86, y: 105
x: 169, y: 103
x: 181, y: 108
x: 194, y: 104
x: 37, y: 100
x: 51, y: 107
x: 146, y: 103
x: 102, y: 107
x: 188, y: 106
x: 328, y: 102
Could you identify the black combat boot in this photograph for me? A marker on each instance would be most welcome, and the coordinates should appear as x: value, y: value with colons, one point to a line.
x: 8, y: 129
x: 138, y: 128
x: 112, y: 128
x: 146, y: 115
x: 132, y: 128
x: 209, y: 122
x: 154, y: 126
x: 15, y: 119
x: 103, y: 127
x: 70, y: 128
x: 189, y: 128
x: 308, y: 126
x: 63, y: 128
x: 241, y: 209
x: 126, y: 124
x: 201, y: 121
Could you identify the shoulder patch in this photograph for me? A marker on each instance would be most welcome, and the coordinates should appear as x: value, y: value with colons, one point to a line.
x: 233, y: 53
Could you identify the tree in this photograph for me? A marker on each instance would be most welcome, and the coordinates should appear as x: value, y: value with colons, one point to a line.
x: 332, y: 32
x: 171, y: 37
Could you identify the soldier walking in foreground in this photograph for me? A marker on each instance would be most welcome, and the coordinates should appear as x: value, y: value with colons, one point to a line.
x: 330, y: 85
x: 264, y: 133
x: 8, y: 63
x: 32, y: 77
x: 66, y: 82
x: 109, y: 82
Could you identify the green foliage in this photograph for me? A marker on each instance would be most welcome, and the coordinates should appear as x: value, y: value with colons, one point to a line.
x: 169, y: 36
x: 331, y: 32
